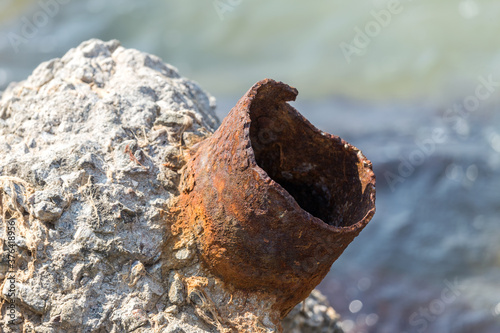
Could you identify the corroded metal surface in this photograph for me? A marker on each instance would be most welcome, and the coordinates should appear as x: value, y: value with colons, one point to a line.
x: 273, y: 200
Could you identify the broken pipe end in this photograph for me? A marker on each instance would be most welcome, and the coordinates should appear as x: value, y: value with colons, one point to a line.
x: 273, y: 200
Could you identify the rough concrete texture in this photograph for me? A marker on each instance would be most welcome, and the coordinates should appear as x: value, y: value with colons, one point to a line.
x: 314, y: 315
x: 91, y: 148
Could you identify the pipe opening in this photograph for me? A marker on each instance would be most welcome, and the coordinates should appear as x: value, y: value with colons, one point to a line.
x: 317, y: 171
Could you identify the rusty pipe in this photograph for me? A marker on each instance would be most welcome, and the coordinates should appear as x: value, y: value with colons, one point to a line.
x: 274, y: 200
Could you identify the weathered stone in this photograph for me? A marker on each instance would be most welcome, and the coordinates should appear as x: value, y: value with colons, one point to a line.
x: 314, y: 315
x: 91, y: 146
x: 176, y: 291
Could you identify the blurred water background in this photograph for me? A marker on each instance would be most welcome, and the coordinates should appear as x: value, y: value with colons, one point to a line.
x: 414, y: 84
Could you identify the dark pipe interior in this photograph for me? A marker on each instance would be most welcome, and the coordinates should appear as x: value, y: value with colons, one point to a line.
x: 320, y: 174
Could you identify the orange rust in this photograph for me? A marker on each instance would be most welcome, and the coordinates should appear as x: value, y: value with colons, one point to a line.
x: 272, y: 200
x: 169, y: 165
